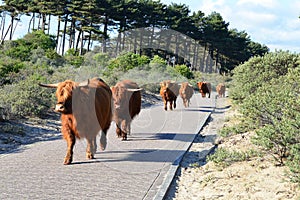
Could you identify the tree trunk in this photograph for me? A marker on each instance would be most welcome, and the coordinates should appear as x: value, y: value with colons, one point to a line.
x: 30, y: 21
x: 81, y: 43
x: 105, y: 29
x: 118, y: 43
x: 64, y: 36
x: 3, y: 26
x: 39, y: 22
x: 11, y: 27
x: 43, y: 22
x: 57, y: 33
x: 90, y: 37
x: 78, y: 39
x: 49, y: 22
x: 33, y: 23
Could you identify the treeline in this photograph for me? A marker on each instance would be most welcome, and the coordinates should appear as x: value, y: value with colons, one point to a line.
x: 80, y: 24
x: 32, y: 59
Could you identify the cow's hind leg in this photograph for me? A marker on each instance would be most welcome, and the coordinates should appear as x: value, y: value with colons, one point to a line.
x: 90, y: 148
x: 175, y: 102
x: 171, y: 105
x: 70, y: 142
x: 103, y: 140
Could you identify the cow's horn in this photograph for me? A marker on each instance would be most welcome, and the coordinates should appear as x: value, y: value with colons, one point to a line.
x: 54, y: 85
x: 84, y: 83
x: 134, y: 90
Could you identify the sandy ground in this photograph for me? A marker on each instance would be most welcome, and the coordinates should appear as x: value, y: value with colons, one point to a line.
x: 255, y: 179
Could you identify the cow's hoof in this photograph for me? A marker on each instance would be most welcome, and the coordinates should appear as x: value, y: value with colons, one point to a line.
x: 90, y: 156
x: 67, y: 161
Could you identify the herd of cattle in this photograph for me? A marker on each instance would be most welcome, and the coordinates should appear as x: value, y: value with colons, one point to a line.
x: 87, y: 108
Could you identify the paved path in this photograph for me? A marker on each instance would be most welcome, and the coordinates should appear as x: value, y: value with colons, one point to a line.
x: 133, y: 169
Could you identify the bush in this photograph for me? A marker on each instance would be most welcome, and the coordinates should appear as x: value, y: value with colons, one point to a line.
x: 273, y: 108
x: 128, y: 61
x: 267, y: 90
x: 7, y: 67
x: 184, y: 71
x: 73, y: 58
x: 24, y: 98
x: 224, y: 157
x: 249, y: 76
x: 21, y: 48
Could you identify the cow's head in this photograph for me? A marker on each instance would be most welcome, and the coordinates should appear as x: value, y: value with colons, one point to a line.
x: 122, y: 95
x: 169, y: 86
x: 64, y: 91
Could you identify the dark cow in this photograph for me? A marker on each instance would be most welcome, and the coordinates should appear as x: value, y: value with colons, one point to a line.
x: 186, y: 92
x: 127, y: 103
x: 169, y: 91
x: 86, y: 109
x: 204, y: 88
x: 221, y: 89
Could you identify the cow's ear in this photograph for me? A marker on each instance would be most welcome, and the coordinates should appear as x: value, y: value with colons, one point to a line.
x: 113, y: 88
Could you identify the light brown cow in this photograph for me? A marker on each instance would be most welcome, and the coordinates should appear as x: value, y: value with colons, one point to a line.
x: 127, y: 103
x: 86, y: 109
x: 221, y: 89
x: 169, y: 91
x: 186, y: 92
x: 204, y: 88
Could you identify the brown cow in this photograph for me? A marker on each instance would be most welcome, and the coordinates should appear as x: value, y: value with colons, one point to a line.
x: 127, y: 103
x: 186, y: 92
x: 169, y: 91
x: 86, y: 109
x: 204, y: 88
x: 221, y: 89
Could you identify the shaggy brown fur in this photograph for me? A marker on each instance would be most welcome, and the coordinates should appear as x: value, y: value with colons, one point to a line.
x: 221, y: 89
x: 186, y: 92
x: 85, y: 111
x: 169, y: 91
x: 204, y: 88
x: 127, y: 103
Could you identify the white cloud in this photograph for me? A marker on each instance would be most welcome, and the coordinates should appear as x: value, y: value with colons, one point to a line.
x: 263, y: 3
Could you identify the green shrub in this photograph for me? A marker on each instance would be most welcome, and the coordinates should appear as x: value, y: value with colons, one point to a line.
x: 274, y: 108
x: 73, y: 58
x: 128, y: 61
x: 21, y: 48
x: 267, y: 90
x: 184, y: 71
x: 224, y: 157
x: 24, y: 99
x: 9, y: 66
x: 249, y: 76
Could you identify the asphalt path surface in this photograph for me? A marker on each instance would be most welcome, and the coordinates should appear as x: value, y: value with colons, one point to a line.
x: 133, y: 169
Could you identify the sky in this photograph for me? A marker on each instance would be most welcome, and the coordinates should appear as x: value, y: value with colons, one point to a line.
x: 274, y: 23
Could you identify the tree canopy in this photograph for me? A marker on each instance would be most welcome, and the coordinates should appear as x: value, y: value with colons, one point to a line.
x: 80, y: 24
